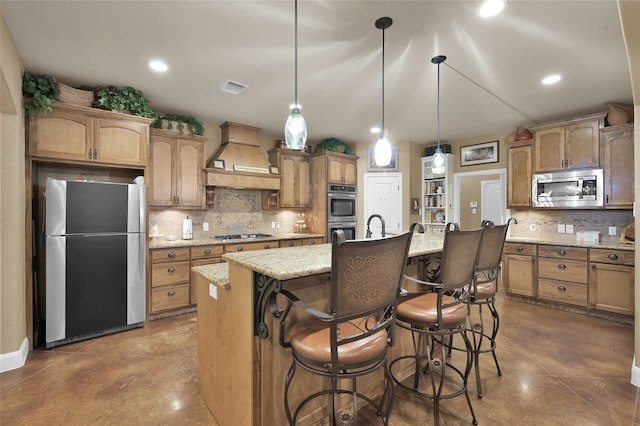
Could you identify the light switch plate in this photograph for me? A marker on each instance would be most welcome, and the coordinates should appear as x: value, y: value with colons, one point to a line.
x: 532, y: 227
x: 561, y: 229
x: 612, y: 231
x: 205, y: 226
x: 569, y: 229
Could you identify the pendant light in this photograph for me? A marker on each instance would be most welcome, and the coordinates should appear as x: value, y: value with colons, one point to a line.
x: 382, y: 150
x: 295, y: 129
x: 437, y: 162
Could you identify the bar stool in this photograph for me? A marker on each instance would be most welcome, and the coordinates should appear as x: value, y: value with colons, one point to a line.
x: 351, y: 338
x: 485, y: 287
x: 434, y: 318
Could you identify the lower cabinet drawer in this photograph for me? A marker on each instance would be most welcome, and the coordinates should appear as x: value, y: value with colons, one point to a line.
x: 169, y: 273
x: 561, y: 291
x: 567, y: 270
x: 169, y: 297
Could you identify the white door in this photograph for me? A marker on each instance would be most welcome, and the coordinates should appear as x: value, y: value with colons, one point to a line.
x: 383, y: 196
x: 491, y: 198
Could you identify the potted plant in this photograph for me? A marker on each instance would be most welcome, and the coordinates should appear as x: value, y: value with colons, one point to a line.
x: 124, y: 99
x: 178, y: 122
x: 41, y: 91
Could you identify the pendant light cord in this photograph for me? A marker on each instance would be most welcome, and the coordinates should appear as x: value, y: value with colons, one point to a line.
x: 295, y: 91
x: 438, y: 105
x: 382, y: 131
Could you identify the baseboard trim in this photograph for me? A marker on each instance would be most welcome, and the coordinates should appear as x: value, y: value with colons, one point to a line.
x: 13, y: 360
x: 635, y: 373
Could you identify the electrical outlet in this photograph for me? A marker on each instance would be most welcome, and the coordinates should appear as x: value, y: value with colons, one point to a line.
x: 569, y: 229
x: 561, y: 229
x: 275, y: 224
x: 612, y: 231
x: 532, y: 227
x: 205, y: 226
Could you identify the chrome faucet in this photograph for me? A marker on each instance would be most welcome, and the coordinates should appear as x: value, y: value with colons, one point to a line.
x: 368, y: 235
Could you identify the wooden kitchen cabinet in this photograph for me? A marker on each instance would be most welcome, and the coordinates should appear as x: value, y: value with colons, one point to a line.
x: 617, y: 161
x: 519, y: 163
x: 341, y: 168
x: 297, y: 242
x: 82, y: 134
x: 204, y: 255
x: 563, y: 274
x: 176, y: 172
x: 295, y: 177
x: 519, y: 269
x: 611, y: 280
x: 170, y: 279
x: 570, y: 144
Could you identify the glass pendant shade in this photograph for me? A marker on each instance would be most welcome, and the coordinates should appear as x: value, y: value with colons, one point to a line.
x: 295, y: 130
x: 382, y: 152
x: 437, y: 162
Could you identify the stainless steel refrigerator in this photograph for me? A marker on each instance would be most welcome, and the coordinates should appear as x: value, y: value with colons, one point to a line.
x: 95, y: 259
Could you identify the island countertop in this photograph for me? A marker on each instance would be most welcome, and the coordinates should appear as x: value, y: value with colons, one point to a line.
x: 295, y: 262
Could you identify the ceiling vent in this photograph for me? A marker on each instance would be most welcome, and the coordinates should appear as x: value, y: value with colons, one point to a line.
x: 233, y: 87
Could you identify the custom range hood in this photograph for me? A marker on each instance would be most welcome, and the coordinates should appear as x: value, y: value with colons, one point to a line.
x: 239, y: 162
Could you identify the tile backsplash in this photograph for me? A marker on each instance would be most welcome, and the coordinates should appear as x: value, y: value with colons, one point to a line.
x: 546, y: 221
x: 233, y: 212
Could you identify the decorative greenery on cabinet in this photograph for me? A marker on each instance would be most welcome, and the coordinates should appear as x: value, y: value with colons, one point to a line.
x: 41, y: 91
x: 124, y: 99
x: 195, y: 126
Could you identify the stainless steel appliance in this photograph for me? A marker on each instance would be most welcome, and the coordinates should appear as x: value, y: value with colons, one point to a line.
x: 578, y: 188
x: 341, y: 209
x: 95, y: 242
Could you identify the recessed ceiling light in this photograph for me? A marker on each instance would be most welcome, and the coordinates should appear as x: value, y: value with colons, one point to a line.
x: 375, y: 130
x: 491, y: 8
x: 551, y: 79
x: 158, y: 66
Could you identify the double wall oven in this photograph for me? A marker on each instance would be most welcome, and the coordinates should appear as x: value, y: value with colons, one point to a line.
x: 341, y: 210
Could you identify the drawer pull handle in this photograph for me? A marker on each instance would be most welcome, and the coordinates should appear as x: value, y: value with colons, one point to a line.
x: 519, y: 248
x: 239, y: 248
x: 171, y: 254
x: 207, y: 251
x: 172, y: 269
x: 562, y: 252
x: 562, y: 288
x: 562, y: 266
x: 266, y: 246
x: 291, y: 244
x: 171, y: 293
x: 313, y: 242
x: 613, y: 256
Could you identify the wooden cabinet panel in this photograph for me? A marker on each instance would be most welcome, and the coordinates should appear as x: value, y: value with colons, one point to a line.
x: 341, y: 170
x: 549, y: 145
x: 312, y: 241
x: 520, y: 248
x: 562, y: 291
x: 203, y: 252
x: 519, y: 176
x: 169, y: 297
x: 611, y: 288
x: 262, y: 245
x: 582, y: 148
x: 563, y: 252
x: 176, y: 172
x: 61, y: 134
x: 519, y: 274
x: 617, y: 161
x: 121, y: 142
x: 170, y: 254
x: 614, y: 257
x: 295, y: 177
x: 169, y: 273
x: 564, y: 270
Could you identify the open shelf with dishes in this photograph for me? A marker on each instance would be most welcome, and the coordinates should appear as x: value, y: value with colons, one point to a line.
x: 437, y: 190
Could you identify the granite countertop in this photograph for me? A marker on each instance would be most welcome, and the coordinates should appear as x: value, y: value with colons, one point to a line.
x: 570, y: 240
x: 295, y: 262
x: 162, y: 242
x: 216, y: 273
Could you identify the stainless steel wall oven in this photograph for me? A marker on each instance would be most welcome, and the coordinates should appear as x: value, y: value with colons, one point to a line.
x: 341, y: 209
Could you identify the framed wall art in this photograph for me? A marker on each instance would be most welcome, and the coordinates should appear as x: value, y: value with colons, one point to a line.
x: 479, y: 154
x: 392, y: 167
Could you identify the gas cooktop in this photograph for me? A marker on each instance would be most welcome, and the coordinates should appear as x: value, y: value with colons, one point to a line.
x: 240, y: 236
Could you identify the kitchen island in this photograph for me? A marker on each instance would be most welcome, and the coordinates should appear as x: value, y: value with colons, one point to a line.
x: 241, y: 365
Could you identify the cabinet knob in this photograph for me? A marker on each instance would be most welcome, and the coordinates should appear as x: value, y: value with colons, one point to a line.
x: 171, y: 254
x: 520, y: 248
x: 207, y: 251
x: 291, y: 244
x: 562, y: 252
x: 171, y: 293
x: 239, y: 248
x: 613, y: 256
x: 562, y: 288
x: 313, y: 242
x: 562, y: 266
x: 266, y: 246
x: 172, y: 269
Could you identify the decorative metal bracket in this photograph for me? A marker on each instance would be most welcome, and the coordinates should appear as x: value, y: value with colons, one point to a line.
x: 263, y: 288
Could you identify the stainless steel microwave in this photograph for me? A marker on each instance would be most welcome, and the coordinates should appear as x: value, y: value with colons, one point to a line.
x: 574, y: 189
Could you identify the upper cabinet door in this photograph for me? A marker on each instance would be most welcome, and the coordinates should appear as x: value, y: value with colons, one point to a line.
x: 62, y: 135
x: 189, y: 170
x: 549, y: 145
x: 121, y: 142
x: 582, y: 145
x: 162, y: 173
x: 617, y: 154
x: 519, y: 176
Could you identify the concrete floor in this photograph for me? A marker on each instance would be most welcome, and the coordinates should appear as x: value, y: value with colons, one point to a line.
x: 559, y: 368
